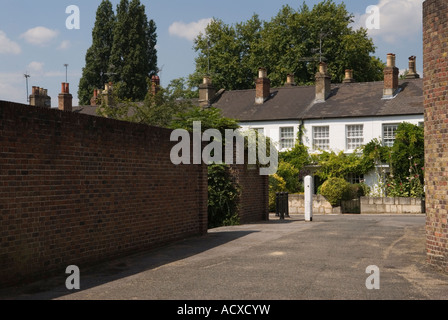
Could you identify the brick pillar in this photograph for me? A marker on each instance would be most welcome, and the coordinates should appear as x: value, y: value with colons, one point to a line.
x: 435, y: 37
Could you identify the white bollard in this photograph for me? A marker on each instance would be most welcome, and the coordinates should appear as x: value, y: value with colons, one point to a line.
x: 309, y: 190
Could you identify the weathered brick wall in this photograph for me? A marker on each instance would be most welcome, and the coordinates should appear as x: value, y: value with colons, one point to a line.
x: 254, y: 199
x: 76, y: 189
x: 435, y: 39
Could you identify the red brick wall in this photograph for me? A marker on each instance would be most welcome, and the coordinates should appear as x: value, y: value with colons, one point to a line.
x: 254, y: 199
x: 76, y: 189
x: 435, y: 38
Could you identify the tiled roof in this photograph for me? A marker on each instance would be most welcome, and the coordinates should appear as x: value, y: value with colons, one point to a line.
x: 346, y: 100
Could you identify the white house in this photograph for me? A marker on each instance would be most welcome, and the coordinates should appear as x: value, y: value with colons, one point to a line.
x: 337, y: 117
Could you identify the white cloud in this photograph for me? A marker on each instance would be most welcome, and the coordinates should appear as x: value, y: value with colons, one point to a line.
x: 12, y: 87
x: 36, y: 67
x: 190, y: 30
x: 64, y: 45
x: 8, y: 46
x: 40, y: 36
x: 398, y: 19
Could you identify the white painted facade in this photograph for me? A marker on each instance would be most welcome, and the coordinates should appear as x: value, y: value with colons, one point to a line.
x: 372, y: 128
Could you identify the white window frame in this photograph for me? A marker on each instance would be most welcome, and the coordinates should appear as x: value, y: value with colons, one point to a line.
x: 389, y: 137
x: 321, y: 142
x: 288, y: 142
x: 354, y: 141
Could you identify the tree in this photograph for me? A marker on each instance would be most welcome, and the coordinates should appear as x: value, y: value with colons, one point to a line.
x: 94, y: 74
x: 134, y: 57
x: 288, y: 43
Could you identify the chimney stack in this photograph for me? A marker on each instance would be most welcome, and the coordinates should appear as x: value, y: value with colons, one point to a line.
x: 65, y: 98
x: 349, y: 76
x: 107, y: 94
x: 290, y: 82
x: 263, y: 87
x: 412, y: 74
x: 155, y: 85
x: 206, y: 92
x: 39, y: 98
x: 323, y: 83
x: 391, y: 73
x: 94, y: 101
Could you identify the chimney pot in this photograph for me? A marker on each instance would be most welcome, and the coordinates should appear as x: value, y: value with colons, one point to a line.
x: 206, y: 92
x: 390, y: 60
x: 348, y: 76
x: 412, y: 73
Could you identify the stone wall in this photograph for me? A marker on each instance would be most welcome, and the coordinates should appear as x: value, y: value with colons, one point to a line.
x: 391, y: 205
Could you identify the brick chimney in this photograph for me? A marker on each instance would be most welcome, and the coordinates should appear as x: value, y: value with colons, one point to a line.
x: 412, y: 73
x: 391, y: 73
x: 39, y: 98
x: 290, y: 82
x: 94, y: 101
x: 206, y: 92
x: 65, y: 98
x: 263, y: 87
x: 348, y: 76
x: 323, y: 83
x: 155, y: 85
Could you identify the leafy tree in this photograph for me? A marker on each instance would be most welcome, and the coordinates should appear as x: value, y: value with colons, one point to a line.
x: 233, y: 53
x: 94, y: 74
x: 181, y: 88
x: 134, y: 57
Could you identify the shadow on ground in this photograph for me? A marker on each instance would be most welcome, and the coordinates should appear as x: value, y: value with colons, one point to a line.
x: 116, y: 269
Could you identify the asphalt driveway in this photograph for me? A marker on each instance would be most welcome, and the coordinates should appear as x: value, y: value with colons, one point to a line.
x: 275, y: 260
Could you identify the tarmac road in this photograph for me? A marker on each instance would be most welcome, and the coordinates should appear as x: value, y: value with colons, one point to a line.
x: 277, y: 260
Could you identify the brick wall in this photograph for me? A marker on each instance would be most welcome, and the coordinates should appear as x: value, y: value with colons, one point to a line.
x: 254, y: 199
x: 435, y: 38
x: 76, y: 189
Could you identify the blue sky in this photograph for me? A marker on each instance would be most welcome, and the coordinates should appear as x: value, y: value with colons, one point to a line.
x: 34, y: 37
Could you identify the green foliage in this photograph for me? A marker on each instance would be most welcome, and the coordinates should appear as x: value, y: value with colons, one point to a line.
x: 335, y: 190
x: 290, y: 175
x: 276, y: 184
x: 332, y: 165
x: 235, y: 52
x: 408, y: 151
x: 210, y: 118
x: 181, y: 88
x: 297, y: 156
x: 123, y: 52
x: 223, y: 197
x: 94, y: 74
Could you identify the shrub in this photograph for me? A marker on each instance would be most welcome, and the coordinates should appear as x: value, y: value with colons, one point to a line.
x: 223, y: 197
x: 335, y: 190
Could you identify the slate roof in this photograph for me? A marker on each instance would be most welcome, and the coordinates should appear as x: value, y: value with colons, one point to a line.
x: 347, y: 100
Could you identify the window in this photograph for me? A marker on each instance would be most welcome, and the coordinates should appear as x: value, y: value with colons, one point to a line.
x: 260, y: 130
x: 389, y: 133
x: 355, y: 178
x: 321, y: 138
x: 286, y: 138
x: 355, y: 136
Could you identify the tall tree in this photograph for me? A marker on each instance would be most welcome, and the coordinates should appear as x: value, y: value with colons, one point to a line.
x: 94, y: 73
x: 289, y: 43
x: 134, y: 56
